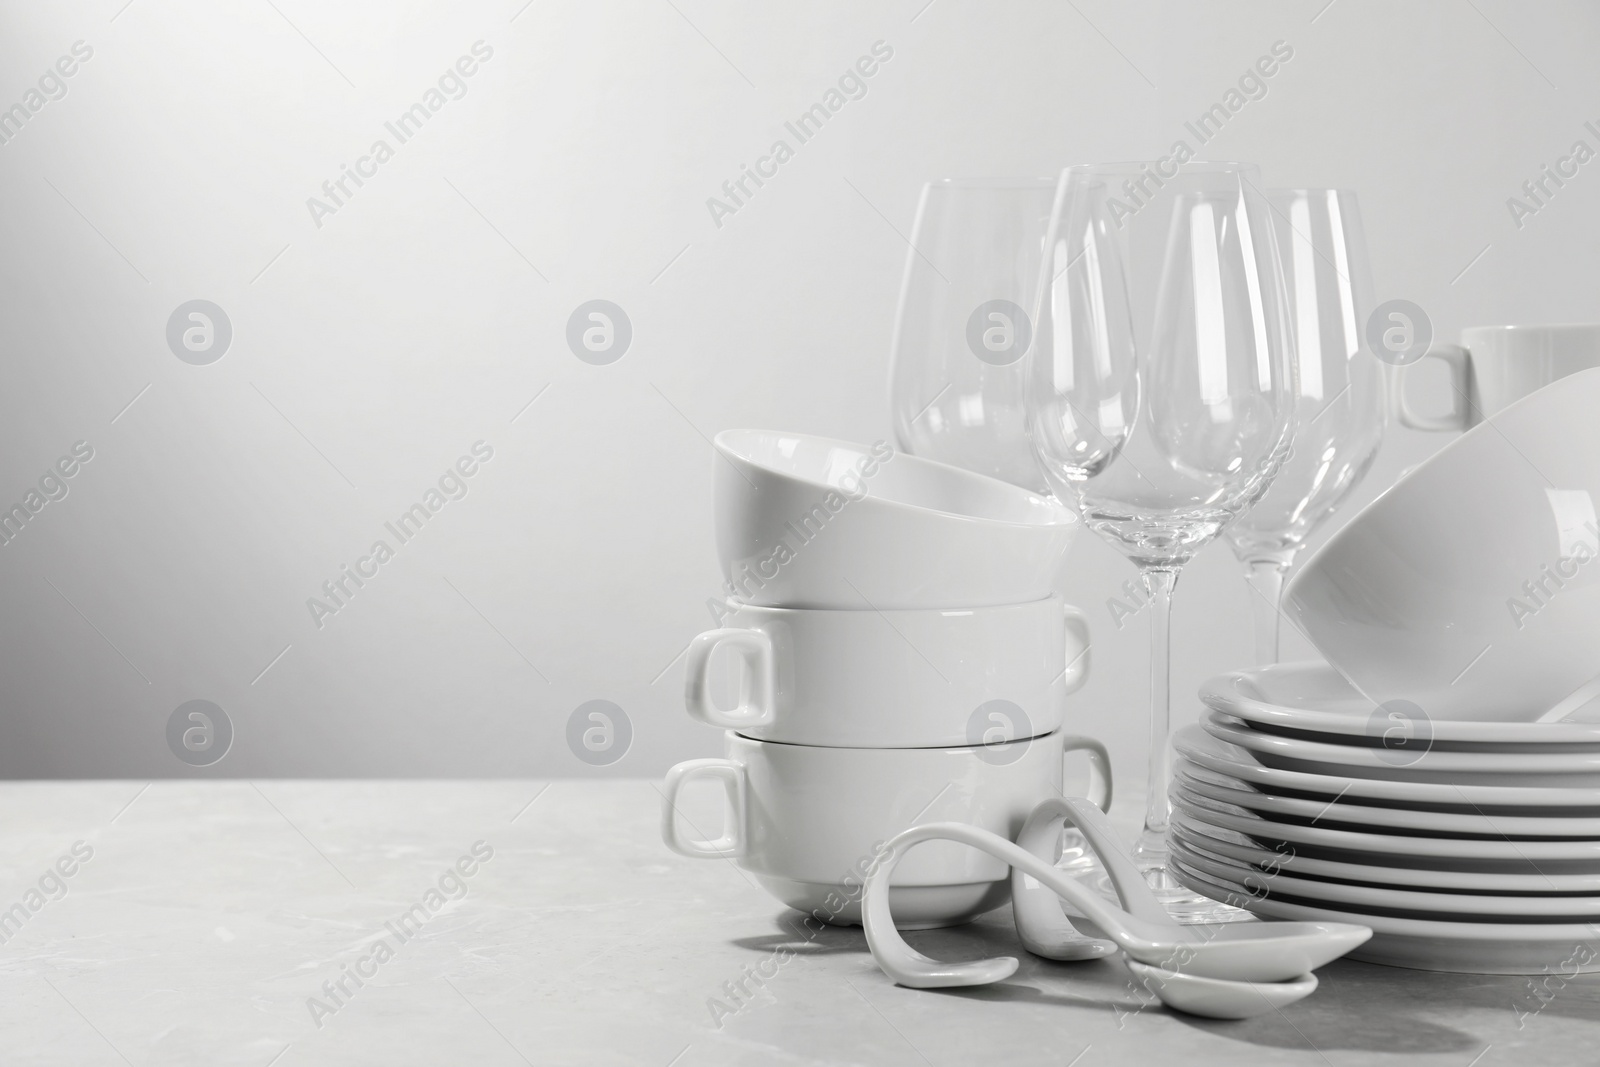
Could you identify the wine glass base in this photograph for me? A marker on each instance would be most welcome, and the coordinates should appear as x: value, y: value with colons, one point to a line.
x: 1182, y: 903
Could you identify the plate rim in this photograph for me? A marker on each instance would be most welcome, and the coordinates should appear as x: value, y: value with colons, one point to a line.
x: 1389, y: 844
x: 1420, y: 928
x: 1483, y: 763
x: 1415, y: 899
x: 1220, y: 693
x: 1364, y: 813
x: 1183, y: 827
x: 1196, y: 740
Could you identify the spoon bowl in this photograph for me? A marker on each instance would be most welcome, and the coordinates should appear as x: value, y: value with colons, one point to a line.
x: 1247, y: 952
x: 1218, y: 998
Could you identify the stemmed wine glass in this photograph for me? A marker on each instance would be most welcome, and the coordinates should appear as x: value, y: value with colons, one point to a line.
x: 956, y: 377
x: 1161, y: 397
x: 1342, y: 386
x: 962, y: 335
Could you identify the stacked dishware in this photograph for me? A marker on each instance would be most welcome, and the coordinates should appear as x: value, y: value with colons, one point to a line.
x: 1440, y: 781
x: 900, y: 658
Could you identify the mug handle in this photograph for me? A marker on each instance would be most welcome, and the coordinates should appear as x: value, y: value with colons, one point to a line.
x: 1459, y: 417
x: 755, y: 652
x: 1099, y: 760
x: 1077, y: 671
x: 731, y: 775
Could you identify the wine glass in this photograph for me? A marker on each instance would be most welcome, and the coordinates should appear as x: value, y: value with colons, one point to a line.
x: 956, y: 379
x: 1161, y: 396
x: 1342, y: 388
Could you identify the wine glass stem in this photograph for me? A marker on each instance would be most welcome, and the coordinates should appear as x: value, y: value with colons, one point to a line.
x: 1158, y: 583
x: 1265, y: 575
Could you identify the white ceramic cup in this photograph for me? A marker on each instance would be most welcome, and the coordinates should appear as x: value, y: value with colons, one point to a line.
x: 811, y: 522
x: 810, y: 823
x: 894, y: 679
x: 1471, y: 588
x: 1495, y: 366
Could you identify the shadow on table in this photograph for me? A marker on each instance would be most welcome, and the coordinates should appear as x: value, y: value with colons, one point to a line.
x: 1358, y: 1006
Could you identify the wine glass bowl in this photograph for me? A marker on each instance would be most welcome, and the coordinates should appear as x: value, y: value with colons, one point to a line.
x: 1161, y: 441
x: 1341, y: 392
x: 962, y: 331
x: 1161, y: 396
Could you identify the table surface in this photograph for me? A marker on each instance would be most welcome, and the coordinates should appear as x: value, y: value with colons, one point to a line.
x: 213, y: 922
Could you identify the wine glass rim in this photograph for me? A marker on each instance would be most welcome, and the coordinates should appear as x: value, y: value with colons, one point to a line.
x: 1012, y: 182
x: 1282, y: 190
x: 1209, y: 166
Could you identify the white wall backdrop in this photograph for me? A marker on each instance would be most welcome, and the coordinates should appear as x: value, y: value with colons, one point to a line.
x: 376, y: 341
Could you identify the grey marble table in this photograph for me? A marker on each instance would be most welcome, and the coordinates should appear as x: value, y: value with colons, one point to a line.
x: 293, y: 922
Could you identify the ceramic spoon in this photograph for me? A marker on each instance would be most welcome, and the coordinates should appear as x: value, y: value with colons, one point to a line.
x: 1247, y: 952
x: 1219, y: 998
x: 1041, y: 925
x: 1045, y: 930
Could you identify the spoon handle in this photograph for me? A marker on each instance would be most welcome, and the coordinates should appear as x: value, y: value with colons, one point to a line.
x: 1138, y: 899
x: 1042, y: 927
x: 911, y: 968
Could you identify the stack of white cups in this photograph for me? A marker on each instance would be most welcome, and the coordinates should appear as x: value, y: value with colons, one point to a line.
x: 901, y: 658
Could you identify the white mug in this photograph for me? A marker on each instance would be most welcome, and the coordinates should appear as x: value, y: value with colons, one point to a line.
x: 894, y: 679
x: 1495, y: 366
x: 810, y: 823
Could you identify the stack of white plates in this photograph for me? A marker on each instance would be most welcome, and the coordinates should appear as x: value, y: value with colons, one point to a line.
x: 1466, y: 846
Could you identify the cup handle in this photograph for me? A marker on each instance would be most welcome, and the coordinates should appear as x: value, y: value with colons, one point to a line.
x: 729, y: 845
x: 755, y: 652
x: 1099, y: 759
x: 1459, y: 417
x: 1077, y: 671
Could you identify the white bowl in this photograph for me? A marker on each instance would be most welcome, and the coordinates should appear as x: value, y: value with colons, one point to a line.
x: 1471, y: 589
x: 812, y: 522
x: 927, y: 678
x: 810, y: 823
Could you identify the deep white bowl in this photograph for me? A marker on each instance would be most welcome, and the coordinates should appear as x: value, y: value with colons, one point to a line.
x: 813, y: 522
x: 1461, y: 590
x: 811, y: 823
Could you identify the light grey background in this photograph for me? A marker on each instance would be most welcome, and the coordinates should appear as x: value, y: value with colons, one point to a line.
x: 368, y: 354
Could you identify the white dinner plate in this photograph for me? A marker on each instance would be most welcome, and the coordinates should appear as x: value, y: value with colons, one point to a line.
x: 1579, y: 769
x: 1452, y: 907
x: 1199, y: 746
x: 1342, y: 814
x: 1315, y: 697
x: 1241, y: 848
x: 1526, y: 855
x: 1465, y: 947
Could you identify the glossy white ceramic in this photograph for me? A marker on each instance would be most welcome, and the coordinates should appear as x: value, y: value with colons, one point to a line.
x: 1192, y: 742
x: 1467, y: 947
x: 1314, y: 697
x: 894, y: 679
x: 1242, y: 849
x: 1217, y: 998
x: 812, y: 522
x: 1045, y: 931
x: 1484, y: 907
x: 1495, y: 366
x: 1470, y: 589
x: 1363, y: 761
x: 1499, y: 855
x: 1242, y: 952
x: 809, y: 823
x: 1347, y: 814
